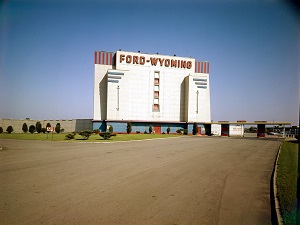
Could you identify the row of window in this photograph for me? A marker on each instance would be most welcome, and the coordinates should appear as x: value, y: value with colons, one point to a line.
x: 156, y: 92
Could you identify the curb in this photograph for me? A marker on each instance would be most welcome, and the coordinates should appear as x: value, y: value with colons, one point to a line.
x: 275, y: 206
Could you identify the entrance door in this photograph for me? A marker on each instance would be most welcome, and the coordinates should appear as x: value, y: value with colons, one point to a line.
x: 157, y: 129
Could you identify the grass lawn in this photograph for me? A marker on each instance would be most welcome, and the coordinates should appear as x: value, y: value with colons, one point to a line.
x: 78, y: 138
x: 287, y: 181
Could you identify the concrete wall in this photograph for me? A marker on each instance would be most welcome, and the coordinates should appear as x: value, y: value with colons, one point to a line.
x: 68, y: 125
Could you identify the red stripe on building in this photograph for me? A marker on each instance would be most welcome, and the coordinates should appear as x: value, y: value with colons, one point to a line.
x: 110, y: 59
x: 107, y: 58
x: 204, y: 67
x: 200, y: 67
x: 99, y: 55
x: 102, y: 58
x: 95, y: 55
x: 207, y: 67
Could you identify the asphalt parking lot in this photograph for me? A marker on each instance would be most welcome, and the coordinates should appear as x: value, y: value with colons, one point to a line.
x: 187, y: 180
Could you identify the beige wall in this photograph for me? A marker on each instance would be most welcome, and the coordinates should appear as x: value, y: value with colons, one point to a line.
x: 68, y: 125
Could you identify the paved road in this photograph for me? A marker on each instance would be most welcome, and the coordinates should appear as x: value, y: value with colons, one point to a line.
x: 188, y: 180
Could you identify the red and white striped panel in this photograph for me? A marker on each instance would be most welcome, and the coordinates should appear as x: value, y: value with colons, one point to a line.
x: 104, y: 58
x: 202, y: 67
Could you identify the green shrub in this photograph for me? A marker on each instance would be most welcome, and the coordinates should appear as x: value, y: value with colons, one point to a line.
x: 57, y: 128
x: 1, y: 130
x: 168, y: 129
x: 182, y: 131
x: 70, y: 136
x: 86, y: 134
x: 96, y: 131
x: 111, y: 129
x: 297, y: 136
x: 129, y: 128
x: 38, y: 127
x: 24, y: 128
x: 48, y: 125
x: 43, y: 130
x: 150, y: 129
x: 9, y: 129
x: 31, y: 129
x: 107, y: 135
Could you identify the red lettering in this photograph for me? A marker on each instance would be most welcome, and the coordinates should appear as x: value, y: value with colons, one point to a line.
x: 142, y: 60
x: 122, y: 58
x: 183, y: 64
x: 135, y: 60
x: 189, y: 64
x: 167, y: 62
x: 153, y: 61
x: 128, y: 58
x: 161, y: 61
x: 173, y: 63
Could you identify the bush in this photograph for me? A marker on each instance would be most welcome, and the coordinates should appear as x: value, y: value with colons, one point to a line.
x: 150, y: 129
x: 168, y: 129
x: 182, y: 131
x: 38, y: 127
x: 43, y: 130
x: 1, y: 130
x: 145, y: 132
x: 96, y: 131
x: 111, y: 129
x: 129, y: 128
x: 86, y: 134
x: 107, y: 135
x: 31, y: 129
x: 24, y: 128
x: 9, y: 129
x: 57, y: 128
x: 70, y: 136
x: 195, y: 128
x: 48, y: 125
x: 297, y: 136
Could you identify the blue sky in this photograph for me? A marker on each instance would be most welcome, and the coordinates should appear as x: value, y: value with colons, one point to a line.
x: 46, y: 52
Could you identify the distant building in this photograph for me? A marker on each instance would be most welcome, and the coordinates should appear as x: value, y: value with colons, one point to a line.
x: 150, y: 89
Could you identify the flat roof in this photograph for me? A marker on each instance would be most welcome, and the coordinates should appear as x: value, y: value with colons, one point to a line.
x: 252, y: 123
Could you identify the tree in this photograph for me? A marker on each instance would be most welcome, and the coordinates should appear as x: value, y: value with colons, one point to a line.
x: 38, y: 127
x: 150, y: 129
x: 48, y: 125
x: 57, y: 128
x: 1, y: 130
x: 9, y: 129
x: 168, y: 129
x: 195, y: 128
x: 25, y: 128
x: 31, y: 129
x: 129, y: 128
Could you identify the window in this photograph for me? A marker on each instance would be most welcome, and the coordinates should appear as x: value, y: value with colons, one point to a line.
x: 156, y: 91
